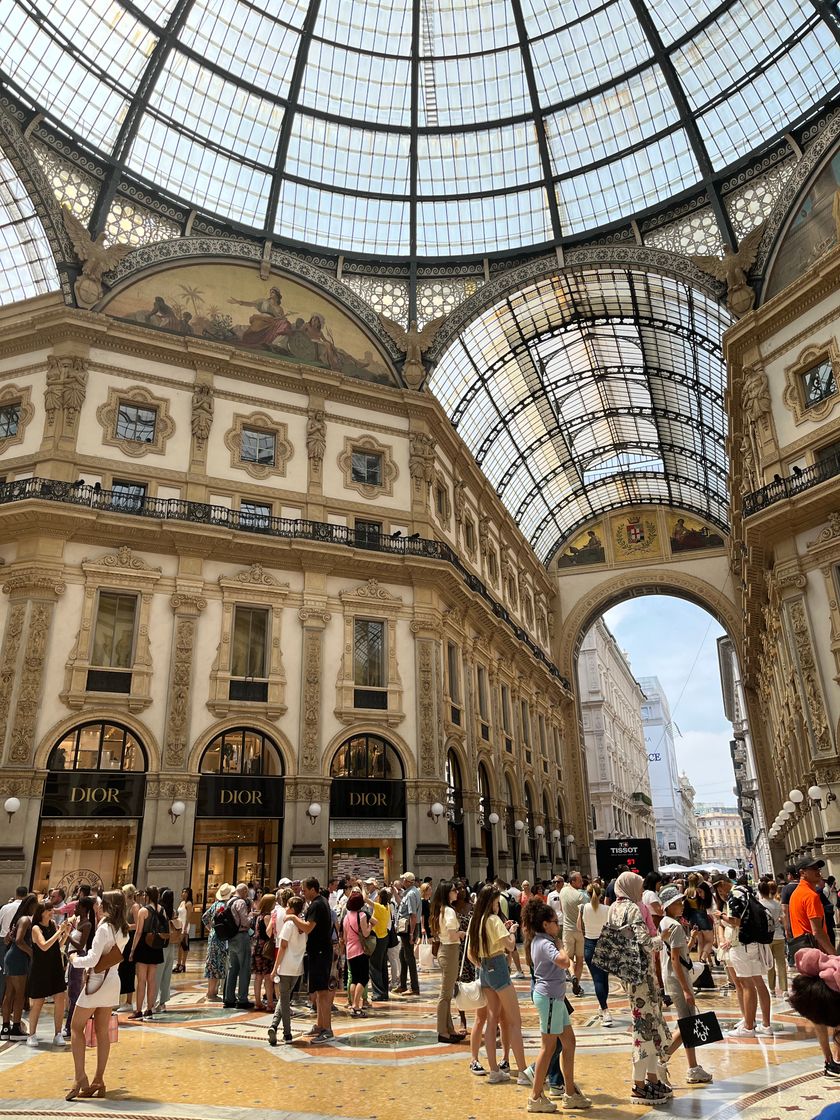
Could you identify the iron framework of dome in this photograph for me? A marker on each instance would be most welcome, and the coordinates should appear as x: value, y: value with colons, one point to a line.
x: 421, y: 130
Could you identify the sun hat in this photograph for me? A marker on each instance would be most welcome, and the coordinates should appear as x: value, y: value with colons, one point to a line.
x: 669, y: 895
x: 224, y: 892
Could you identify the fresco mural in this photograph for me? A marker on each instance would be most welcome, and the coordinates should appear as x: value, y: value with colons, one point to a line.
x: 812, y: 232
x: 635, y: 536
x: 230, y: 303
x: 687, y: 534
x: 586, y: 548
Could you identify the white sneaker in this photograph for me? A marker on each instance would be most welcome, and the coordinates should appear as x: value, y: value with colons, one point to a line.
x: 497, y: 1077
x: 698, y: 1076
x: 606, y: 1019
x: 541, y: 1104
x: 764, y: 1028
x: 32, y: 1041
x: 741, y: 1031
x: 59, y: 1040
x: 517, y: 976
x: 576, y: 1101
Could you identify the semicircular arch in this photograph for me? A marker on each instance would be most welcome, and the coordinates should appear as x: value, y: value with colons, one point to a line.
x: 399, y: 745
x: 264, y: 726
x: 99, y: 715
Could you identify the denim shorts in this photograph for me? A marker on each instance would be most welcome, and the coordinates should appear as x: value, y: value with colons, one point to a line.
x: 494, y: 973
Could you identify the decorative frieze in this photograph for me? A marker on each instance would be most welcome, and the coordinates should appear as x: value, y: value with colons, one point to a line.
x: 187, y: 607
x: 314, y: 620
x: 813, y: 706
x: 29, y: 693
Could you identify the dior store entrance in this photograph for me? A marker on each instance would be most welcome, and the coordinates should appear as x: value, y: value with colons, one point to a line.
x: 239, y: 814
x: 92, y: 809
x: 367, y: 809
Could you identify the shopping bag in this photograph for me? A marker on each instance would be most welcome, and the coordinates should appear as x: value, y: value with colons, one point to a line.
x: 700, y: 1030
x: 113, y: 1030
x: 425, y: 957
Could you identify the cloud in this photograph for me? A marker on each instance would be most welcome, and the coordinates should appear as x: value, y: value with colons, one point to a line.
x: 705, y: 757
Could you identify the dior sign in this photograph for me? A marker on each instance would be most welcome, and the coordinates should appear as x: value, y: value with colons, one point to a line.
x: 350, y: 797
x: 245, y: 796
x: 95, y: 793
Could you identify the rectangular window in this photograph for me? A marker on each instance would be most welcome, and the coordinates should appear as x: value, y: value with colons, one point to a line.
x: 9, y: 419
x: 818, y: 383
x: 254, y: 515
x: 453, y: 674
x: 248, y: 654
x: 440, y: 501
x: 469, y: 535
x: 367, y: 532
x: 506, y: 708
x: 481, y: 675
x: 526, y: 722
x: 830, y: 453
x: 128, y: 496
x: 542, y: 734
x: 369, y: 675
x: 257, y: 447
x: 366, y: 467
x: 136, y: 423
x: 492, y: 565
x: 113, y: 635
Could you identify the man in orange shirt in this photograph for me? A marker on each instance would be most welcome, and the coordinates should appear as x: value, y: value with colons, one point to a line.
x: 805, y: 910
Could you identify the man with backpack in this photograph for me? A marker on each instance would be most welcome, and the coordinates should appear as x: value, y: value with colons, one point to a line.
x: 233, y: 924
x: 750, y: 934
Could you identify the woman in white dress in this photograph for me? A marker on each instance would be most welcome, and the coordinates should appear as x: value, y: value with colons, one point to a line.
x: 111, y: 932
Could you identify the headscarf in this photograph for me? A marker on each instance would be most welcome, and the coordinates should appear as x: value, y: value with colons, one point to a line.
x: 629, y: 885
x: 813, y: 962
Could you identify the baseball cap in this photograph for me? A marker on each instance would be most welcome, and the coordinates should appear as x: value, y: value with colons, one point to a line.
x: 409, y: 875
x: 371, y: 881
x: 670, y: 894
x: 808, y: 863
x: 284, y: 883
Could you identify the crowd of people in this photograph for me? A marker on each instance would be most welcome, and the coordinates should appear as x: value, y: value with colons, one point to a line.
x: 302, y: 947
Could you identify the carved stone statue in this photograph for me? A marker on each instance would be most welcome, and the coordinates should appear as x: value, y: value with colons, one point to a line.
x: 74, y: 389
x: 733, y: 269
x: 316, y: 436
x: 95, y: 259
x: 52, y: 393
x: 421, y: 460
x: 755, y: 395
x: 202, y: 413
x: 413, y: 344
x: 460, y: 499
x: 748, y: 471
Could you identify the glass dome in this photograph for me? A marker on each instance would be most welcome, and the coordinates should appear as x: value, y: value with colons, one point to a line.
x: 427, y: 129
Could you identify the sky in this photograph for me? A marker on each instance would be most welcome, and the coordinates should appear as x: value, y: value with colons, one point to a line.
x: 676, y: 641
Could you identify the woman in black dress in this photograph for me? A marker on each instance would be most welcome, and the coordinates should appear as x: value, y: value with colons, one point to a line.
x: 146, y: 958
x: 47, y: 975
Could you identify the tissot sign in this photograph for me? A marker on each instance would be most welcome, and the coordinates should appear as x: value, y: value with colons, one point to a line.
x: 611, y: 854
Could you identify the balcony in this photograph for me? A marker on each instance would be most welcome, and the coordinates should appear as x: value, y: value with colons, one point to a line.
x: 641, y: 799
x: 782, y: 488
x: 198, y: 513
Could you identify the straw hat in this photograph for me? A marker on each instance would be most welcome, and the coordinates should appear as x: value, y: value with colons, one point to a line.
x: 224, y: 892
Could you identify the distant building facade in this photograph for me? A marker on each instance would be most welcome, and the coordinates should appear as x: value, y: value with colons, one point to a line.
x: 616, y: 756
x: 687, y: 792
x: 722, y: 836
x: 673, y: 830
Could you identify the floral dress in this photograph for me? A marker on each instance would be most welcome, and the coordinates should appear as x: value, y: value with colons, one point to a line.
x: 467, y: 973
x: 651, y: 1037
x: 261, y: 944
x: 215, y: 966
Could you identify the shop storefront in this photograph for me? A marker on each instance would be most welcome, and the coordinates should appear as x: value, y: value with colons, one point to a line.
x: 239, y: 814
x: 455, y: 814
x: 367, y: 809
x: 92, y: 809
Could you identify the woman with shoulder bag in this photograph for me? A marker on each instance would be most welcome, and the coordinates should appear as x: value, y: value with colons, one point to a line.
x: 128, y: 973
x: 163, y: 980
x: 355, y: 929
x: 215, y: 964
x: 101, y: 993
x: 79, y: 941
x: 17, y: 964
x: 445, y: 929
x: 381, y: 925
x: 651, y: 1037
x: 145, y: 955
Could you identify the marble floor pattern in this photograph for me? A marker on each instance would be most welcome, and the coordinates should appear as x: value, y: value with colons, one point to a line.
x: 199, y: 1061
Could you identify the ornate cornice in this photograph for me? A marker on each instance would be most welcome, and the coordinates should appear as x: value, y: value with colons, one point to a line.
x: 33, y: 580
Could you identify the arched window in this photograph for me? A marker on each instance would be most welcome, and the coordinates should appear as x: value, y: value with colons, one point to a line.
x: 242, y: 750
x: 485, y: 805
x: 367, y: 756
x: 98, y: 746
x: 454, y: 788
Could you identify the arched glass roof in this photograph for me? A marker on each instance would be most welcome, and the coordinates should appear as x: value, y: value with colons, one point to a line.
x: 592, y: 390
x: 27, y: 267
x: 428, y: 129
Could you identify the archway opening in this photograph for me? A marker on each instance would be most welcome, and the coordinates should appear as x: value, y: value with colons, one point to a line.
x: 455, y: 813
x: 665, y: 732
x: 367, y: 808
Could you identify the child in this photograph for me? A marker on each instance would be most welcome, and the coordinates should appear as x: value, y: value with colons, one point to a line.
x: 549, y: 964
x: 677, y: 975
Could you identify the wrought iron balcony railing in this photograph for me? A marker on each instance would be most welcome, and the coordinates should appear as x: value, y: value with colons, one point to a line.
x: 781, y: 488
x: 199, y: 513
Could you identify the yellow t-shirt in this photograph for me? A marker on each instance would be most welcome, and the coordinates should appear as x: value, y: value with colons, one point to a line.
x: 381, y: 917
x: 495, y: 939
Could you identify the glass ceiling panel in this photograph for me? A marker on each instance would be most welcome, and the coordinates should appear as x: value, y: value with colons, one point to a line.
x: 27, y: 267
x: 572, y: 404
x: 598, y: 137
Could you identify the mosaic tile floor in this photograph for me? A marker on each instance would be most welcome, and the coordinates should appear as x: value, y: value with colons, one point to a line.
x: 200, y: 1061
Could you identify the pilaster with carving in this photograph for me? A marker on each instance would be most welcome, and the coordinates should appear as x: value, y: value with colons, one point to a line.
x: 429, y: 695
x: 67, y: 376
x: 819, y: 731
x: 33, y: 592
x: 314, y: 619
x: 421, y: 466
x: 187, y: 605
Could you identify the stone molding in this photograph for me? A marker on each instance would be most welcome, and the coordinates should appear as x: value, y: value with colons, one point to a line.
x: 108, y: 412
x: 390, y: 470
x: 794, y: 395
x: 260, y: 421
x: 21, y: 395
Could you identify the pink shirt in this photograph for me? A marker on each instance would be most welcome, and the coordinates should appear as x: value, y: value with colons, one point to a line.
x: 352, y: 937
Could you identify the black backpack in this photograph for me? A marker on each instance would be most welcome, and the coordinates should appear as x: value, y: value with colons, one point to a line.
x: 224, y: 923
x: 514, y: 910
x: 755, y: 923
x: 156, y: 929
